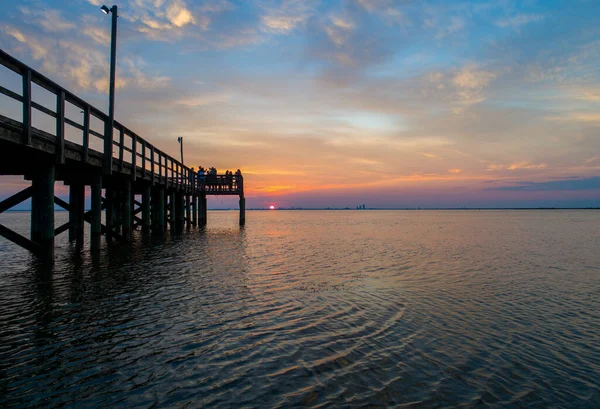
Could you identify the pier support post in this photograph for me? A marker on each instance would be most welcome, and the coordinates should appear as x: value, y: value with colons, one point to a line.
x: 158, y: 210
x: 146, y: 209
x: 202, y: 209
x: 194, y: 210
x: 96, y: 219
x: 42, y: 211
x: 110, y: 211
x: 179, y: 212
x: 127, y: 210
x: 76, y: 212
x: 166, y: 197
x: 118, y: 210
x: 172, y: 210
x: 188, y: 210
x: 242, y: 210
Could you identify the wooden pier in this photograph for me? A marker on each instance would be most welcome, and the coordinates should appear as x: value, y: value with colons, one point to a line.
x: 172, y: 195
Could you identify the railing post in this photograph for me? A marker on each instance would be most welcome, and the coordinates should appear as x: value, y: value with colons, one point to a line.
x: 60, y: 127
x: 152, y: 163
x: 86, y: 132
x: 133, y: 156
x: 143, y: 159
x: 121, y: 146
x: 27, y: 107
x: 108, y: 145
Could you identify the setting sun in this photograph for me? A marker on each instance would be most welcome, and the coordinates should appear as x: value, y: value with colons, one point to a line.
x: 272, y: 207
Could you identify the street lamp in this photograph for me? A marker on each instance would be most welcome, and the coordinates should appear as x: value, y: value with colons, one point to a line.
x: 109, y: 126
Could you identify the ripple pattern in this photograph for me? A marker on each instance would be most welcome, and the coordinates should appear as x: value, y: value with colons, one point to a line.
x: 312, y: 309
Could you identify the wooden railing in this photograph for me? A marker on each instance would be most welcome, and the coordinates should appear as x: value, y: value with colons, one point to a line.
x: 221, y: 183
x: 155, y: 165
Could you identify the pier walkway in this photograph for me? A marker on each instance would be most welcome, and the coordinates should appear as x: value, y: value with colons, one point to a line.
x: 171, y: 195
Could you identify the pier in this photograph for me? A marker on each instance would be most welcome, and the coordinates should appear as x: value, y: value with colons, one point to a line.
x: 171, y: 195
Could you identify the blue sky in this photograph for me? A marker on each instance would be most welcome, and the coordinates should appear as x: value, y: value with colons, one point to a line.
x: 335, y: 103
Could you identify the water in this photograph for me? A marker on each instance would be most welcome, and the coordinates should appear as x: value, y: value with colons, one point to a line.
x: 313, y: 308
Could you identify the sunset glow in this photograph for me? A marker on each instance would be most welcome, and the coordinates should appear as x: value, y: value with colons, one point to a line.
x: 335, y: 103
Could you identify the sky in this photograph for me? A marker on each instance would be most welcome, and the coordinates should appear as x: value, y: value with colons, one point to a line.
x: 431, y: 103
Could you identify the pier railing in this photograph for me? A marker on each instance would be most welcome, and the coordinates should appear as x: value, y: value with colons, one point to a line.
x: 144, y: 158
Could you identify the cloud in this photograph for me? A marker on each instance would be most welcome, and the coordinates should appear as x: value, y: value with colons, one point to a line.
x: 282, y: 24
x: 470, y: 83
x: 517, y: 165
x: 287, y: 16
x: 590, y: 117
x: 339, y: 30
x: 454, y: 170
x: 49, y: 19
x: 83, y: 67
x: 591, y: 183
x: 204, y: 99
x: 519, y: 20
x: 38, y: 50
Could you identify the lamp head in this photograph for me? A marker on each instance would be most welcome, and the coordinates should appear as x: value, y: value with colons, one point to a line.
x: 105, y: 9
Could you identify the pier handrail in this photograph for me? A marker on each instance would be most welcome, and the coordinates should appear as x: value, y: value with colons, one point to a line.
x: 154, y: 163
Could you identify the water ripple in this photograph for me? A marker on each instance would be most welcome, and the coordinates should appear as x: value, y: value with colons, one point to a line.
x: 312, y: 309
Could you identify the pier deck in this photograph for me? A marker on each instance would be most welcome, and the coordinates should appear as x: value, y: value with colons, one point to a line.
x: 172, y: 195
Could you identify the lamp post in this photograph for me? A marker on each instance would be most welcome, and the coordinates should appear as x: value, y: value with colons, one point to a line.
x: 109, y: 126
x: 180, y: 140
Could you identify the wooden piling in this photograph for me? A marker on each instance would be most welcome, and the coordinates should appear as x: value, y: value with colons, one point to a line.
x: 96, y: 214
x: 110, y: 211
x: 180, y: 211
x: 42, y: 214
x: 188, y: 210
x: 146, y: 197
x: 194, y: 210
x: 242, y: 210
x: 172, y: 210
x: 158, y: 210
x: 127, y: 210
x: 76, y: 212
x: 202, y: 209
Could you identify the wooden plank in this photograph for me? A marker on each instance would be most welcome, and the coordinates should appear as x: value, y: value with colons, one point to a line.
x: 15, y: 199
x: 27, y: 107
x: 11, y: 94
x: 20, y: 240
x: 43, y: 109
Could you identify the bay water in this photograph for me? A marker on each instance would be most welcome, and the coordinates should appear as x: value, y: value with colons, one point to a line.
x: 433, y: 309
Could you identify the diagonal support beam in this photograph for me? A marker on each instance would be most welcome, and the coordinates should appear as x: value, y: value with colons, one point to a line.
x: 62, y: 203
x: 20, y: 240
x: 16, y: 199
x: 104, y: 230
x: 62, y: 228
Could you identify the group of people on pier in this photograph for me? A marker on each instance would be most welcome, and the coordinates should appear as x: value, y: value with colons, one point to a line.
x: 207, y: 179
